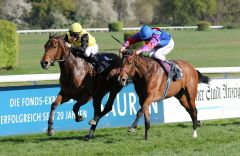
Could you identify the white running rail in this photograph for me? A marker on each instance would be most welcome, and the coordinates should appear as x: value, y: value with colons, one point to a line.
x: 106, y: 29
x: 55, y: 76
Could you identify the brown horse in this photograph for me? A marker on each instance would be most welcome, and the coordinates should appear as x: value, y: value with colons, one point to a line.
x: 80, y: 81
x: 149, y: 79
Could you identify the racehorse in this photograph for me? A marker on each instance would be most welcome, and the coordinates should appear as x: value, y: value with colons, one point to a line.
x: 149, y: 79
x: 80, y: 81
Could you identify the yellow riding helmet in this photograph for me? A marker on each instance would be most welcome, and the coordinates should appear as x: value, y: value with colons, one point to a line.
x: 76, y: 27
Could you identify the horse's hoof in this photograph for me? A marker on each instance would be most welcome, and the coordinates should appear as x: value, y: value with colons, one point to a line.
x: 131, y: 129
x: 51, y: 132
x: 87, y: 137
x: 92, y: 122
x: 195, y: 134
x: 199, y: 123
x: 79, y: 118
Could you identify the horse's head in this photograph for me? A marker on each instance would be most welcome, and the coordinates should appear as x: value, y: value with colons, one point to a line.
x: 128, y: 68
x: 54, y: 51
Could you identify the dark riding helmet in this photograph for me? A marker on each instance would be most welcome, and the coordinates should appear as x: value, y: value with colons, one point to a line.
x: 145, y: 32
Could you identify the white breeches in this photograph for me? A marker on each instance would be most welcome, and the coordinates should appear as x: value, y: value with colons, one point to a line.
x: 162, y: 52
x: 91, y: 50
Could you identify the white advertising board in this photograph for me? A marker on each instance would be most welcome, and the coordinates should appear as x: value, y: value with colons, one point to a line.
x: 219, y: 99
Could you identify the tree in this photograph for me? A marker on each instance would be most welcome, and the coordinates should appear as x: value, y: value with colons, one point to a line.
x: 203, y: 9
x: 51, y: 13
x: 15, y: 11
x: 96, y: 13
x: 145, y: 13
x: 125, y: 10
x: 228, y: 12
x: 182, y: 12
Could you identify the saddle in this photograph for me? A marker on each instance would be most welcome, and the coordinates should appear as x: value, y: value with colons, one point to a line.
x: 100, y: 62
x: 175, y: 71
x: 103, y: 62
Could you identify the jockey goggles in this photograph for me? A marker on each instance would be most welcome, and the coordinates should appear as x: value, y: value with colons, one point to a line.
x: 74, y: 34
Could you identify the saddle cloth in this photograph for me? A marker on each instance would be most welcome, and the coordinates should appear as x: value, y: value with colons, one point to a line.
x: 104, y: 60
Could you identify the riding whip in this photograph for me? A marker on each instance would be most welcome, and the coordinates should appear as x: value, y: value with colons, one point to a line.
x: 117, y: 40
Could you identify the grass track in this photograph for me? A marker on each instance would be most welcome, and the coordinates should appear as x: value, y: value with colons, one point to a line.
x: 216, y: 137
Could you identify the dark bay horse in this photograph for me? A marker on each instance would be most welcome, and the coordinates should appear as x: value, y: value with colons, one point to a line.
x: 80, y: 81
x: 149, y: 79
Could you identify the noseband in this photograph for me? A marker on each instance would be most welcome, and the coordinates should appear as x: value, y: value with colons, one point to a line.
x: 133, y: 64
x: 58, y: 60
x: 137, y: 65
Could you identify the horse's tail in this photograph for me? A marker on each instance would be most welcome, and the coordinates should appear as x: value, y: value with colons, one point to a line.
x: 202, y: 78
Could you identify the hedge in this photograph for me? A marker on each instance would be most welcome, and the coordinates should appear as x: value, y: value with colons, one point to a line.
x: 203, y: 25
x: 115, y: 26
x: 8, y: 45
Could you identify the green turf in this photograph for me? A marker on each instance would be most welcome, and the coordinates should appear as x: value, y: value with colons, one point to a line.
x: 216, y: 48
x: 215, y: 138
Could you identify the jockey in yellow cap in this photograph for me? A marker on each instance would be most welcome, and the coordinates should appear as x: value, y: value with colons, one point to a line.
x: 82, y: 42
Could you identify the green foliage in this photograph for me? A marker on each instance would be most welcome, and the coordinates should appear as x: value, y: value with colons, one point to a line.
x: 187, y: 12
x: 228, y: 12
x: 203, y: 25
x: 51, y: 13
x: 115, y: 26
x: 128, y: 34
x: 8, y: 45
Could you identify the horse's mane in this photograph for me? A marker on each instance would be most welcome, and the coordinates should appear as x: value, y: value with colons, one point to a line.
x: 143, y: 57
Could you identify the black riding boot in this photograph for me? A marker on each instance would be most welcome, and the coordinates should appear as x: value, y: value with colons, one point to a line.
x: 96, y: 64
x: 177, y: 72
x: 174, y: 72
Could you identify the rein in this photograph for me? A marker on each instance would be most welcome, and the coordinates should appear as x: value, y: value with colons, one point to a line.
x: 167, y: 83
x: 137, y: 65
x: 59, y: 60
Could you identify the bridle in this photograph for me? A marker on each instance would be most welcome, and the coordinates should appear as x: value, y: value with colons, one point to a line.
x: 135, y: 64
x: 58, y: 60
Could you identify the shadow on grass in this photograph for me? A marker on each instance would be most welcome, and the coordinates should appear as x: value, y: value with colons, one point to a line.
x: 222, y: 124
x: 54, y: 138
x: 206, y: 123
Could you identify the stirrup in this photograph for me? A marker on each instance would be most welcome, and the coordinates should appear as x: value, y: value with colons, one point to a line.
x: 177, y: 72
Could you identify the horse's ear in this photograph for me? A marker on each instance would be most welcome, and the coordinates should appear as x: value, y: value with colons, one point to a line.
x: 50, y: 36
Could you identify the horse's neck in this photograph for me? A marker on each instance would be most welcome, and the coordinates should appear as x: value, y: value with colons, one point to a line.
x: 143, y: 65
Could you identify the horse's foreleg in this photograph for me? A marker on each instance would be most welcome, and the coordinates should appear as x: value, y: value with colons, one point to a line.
x: 97, y: 111
x: 109, y: 104
x: 59, y: 100
x: 135, y: 123
x: 50, y: 130
x: 145, y: 110
x: 147, y: 122
x: 83, y: 100
x: 138, y: 116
